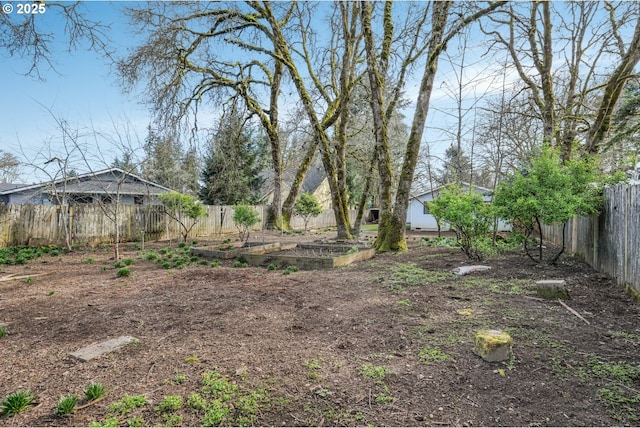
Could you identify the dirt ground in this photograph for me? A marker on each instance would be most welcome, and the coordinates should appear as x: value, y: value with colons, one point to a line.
x: 384, y: 342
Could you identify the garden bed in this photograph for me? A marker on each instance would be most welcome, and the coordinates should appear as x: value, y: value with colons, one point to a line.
x: 311, y: 256
x: 231, y: 251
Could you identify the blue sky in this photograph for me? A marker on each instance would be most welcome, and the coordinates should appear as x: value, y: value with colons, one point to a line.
x: 81, y: 90
x: 84, y: 92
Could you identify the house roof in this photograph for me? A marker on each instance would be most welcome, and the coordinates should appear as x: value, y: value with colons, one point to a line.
x: 98, y: 182
x: 438, y: 189
x: 312, y: 180
x: 9, y: 186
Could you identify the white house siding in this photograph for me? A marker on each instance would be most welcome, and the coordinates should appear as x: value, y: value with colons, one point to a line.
x: 427, y: 222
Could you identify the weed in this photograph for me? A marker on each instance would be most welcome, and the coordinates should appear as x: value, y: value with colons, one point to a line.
x: 384, y: 397
x: 180, y: 378
x: 127, y: 403
x: 3, y: 332
x: 170, y: 403
x: 66, y: 405
x: 151, y: 256
x: 197, y: 402
x: 123, y: 272
x: 28, y: 279
x: 312, y: 364
x: 94, y: 391
x: 353, y: 250
x: 136, y: 422
x: 240, y: 264
x: 323, y: 392
x: 90, y: 261
x: 410, y: 275
x: 620, y: 404
x: 172, y: 419
x: 112, y: 422
x: 404, y: 302
x: 369, y: 371
x: 513, y: 287
x: 428, y: 355
x: 215, y: 264
x: 192, y: 359
x: 272, y: 267
x: 17, y: 402
x: 128, y: 261
x: 290, y: 269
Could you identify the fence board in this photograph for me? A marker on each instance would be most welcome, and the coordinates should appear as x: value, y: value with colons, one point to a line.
x: 28, y: 224
x: 610, y: 241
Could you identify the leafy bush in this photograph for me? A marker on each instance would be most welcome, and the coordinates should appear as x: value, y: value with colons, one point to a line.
x: 468, y: 215
x: 245, y: 217
x: 307, y: 206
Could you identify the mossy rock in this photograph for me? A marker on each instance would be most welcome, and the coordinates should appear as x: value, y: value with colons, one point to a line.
x: 493, y: 345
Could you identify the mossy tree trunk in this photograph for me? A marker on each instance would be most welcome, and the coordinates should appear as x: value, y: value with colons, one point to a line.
x: 391, y: 229
x: 335, y: 102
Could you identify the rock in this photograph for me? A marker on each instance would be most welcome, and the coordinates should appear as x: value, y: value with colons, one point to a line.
x: 465, y: 270
x: 96, y: 350
x: 493, y: 345
x: 552, y: 289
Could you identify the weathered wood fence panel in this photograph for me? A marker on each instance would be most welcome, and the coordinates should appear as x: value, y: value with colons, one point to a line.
x: 610, y: 242
x: 27, y: 224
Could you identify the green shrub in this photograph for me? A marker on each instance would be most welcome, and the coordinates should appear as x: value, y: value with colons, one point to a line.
x: 94, y: 391
x: 66, y: 405
x: 124, y: 272
x: 17, y: 402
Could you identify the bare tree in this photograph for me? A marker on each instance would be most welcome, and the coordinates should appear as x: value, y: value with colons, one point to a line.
x: 26, y: 36
x: 9, y: 167
x: 182, y: 64
x: 559, y: 51
x: 391, y: 234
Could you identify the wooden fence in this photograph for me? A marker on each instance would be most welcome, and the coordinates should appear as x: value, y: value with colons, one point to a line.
x: 610, y: 242
x: 27, y: 224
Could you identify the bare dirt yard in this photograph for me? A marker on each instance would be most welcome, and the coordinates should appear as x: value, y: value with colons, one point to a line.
x: 384, y: 342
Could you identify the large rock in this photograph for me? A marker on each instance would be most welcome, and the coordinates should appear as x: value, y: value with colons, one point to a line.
x: 552, y: 289
x: 493, y: 345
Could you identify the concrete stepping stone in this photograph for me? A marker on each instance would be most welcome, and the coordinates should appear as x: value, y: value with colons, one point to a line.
x: 552, y: 289
x: 465, y: 270
x: 98, y: 349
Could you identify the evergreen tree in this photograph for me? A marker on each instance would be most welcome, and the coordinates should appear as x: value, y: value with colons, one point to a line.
x: 232, y: 165
x: 456, y: 167
x: 168, y: 164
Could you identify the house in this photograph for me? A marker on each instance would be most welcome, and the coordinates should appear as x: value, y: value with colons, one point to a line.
x: 95, y: 187
x: 315, y: 182
x: 419, y: 218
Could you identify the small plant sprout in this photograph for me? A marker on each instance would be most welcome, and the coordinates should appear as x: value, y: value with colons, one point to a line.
x: 17, y: 402
x: 170, y: 403
x: 124, y: 272
x: 66, y: 405
x: 429, y: 355
x: 3, y: 332
x: 127, y: 403
x: 290, y: 269
x: 28, y: 279
x: 94, y: 391
x: 369, y: 371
